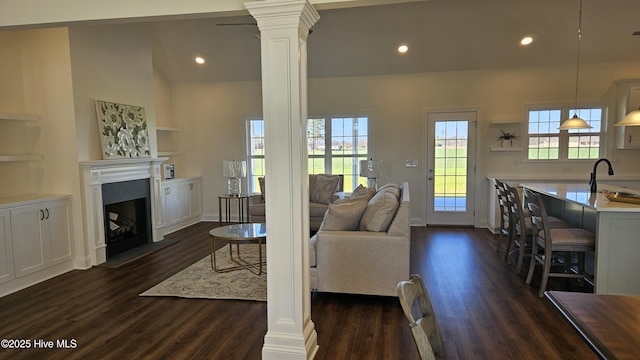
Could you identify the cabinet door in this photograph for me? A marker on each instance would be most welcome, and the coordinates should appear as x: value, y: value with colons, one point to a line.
x: 6, y: 250
x: 196, y: 198
x: 629, y: 137
x: 29, y: 248
x: 58, y: 230
x: 185, y: 199
x: 171, y: 203
x: 190, y: 203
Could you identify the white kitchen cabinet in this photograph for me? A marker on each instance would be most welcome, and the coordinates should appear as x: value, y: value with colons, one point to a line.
x: 41, y: 236
x: 6, y: 249
x: 627, y: 137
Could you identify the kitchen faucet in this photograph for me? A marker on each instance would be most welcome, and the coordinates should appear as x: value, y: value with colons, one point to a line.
x: 592, y: 180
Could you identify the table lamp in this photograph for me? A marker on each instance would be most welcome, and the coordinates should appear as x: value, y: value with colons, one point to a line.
x: 233, y: 171
x: 371, y: 170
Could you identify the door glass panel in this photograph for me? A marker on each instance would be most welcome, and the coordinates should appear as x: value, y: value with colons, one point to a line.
x: 450, y: 165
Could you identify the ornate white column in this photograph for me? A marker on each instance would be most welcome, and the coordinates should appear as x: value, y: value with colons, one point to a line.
x: 284, y: 27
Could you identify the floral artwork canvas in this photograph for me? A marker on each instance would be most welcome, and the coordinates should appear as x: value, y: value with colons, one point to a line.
x: 123, y: 130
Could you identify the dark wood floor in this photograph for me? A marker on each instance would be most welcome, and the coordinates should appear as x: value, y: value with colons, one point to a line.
x: 484, y: 309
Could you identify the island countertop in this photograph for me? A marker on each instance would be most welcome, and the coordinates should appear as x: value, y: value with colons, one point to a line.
x: 581, y: 195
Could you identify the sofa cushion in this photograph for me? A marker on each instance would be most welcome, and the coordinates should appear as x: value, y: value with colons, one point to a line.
x: 379, y: 212
x: 324, y: 189
x: 344, y: 215
x: 317, y: 210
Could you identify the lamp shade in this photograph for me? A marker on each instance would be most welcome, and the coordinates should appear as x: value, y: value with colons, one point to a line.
x: 632, y: 119
x: 234, y: 169
x: 367, y: 168
x: 574, y: 123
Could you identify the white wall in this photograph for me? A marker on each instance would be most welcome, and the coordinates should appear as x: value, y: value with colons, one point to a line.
x: 213, y: 117
x: 111, y: 63
x: 214, y: 114
x: 36, y: 73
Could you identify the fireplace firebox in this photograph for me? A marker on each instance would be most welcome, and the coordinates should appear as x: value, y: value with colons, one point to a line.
x: 127, y: 215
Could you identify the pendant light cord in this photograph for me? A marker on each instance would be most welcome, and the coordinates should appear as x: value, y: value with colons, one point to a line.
x: 578, y: 57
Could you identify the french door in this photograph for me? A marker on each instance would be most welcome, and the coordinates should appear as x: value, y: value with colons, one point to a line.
x: 451, y: 161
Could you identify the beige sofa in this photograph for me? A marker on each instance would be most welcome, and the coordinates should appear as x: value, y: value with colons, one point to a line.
x: 361, y: 261
x: 317, y: 208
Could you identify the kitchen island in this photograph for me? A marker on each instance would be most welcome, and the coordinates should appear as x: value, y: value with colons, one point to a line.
x: 616, y: 225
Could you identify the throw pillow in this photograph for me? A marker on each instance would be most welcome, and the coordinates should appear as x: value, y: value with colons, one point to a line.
x: 393, y: 188
x: 343, y: 216
x: 363, y: 191
x: 262, y: 186
x: 379, y: 213
x: 324, y: 189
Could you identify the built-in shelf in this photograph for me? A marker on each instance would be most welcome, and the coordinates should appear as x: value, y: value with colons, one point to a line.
x: 505, y: 148
x: 9, y: 158
x: 165, y: 141
x: 505, y: 122
x: 167, y: 128
x: 19, y: 117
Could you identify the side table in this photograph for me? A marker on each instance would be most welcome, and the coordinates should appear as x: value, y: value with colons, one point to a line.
x: 243, y: 207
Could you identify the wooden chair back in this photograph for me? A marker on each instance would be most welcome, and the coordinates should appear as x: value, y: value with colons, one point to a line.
x: 424, y: 326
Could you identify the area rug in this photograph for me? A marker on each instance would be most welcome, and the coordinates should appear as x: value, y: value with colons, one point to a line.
x: 200, y: 281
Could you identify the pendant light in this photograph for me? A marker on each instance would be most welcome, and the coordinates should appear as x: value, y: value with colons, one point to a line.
x: 575, y: 122
x: 632, y: 119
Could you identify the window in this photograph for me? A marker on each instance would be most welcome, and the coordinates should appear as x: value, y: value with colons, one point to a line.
x: 547, y: 142
x: 255, y: 141
x: 339, y: 153
x: 348, y: 144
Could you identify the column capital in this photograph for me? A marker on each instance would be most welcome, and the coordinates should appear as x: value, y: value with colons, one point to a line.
x: 282, y: 14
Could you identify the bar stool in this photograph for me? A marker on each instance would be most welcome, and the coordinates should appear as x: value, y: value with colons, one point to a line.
x: 555, y: 240
x: 522, y: 225
x: 505, y: 217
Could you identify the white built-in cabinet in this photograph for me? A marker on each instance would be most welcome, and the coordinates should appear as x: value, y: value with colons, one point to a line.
x: 6, y: 250
x: 41, y: 234
x: 190, y: 190
x: 35, y: 239
x: 627, y: 137
x: 170, y: 202
x: 181, y: 201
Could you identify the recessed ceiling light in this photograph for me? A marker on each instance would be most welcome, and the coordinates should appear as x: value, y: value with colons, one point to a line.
x: 526, y: 40
x: 403, y: 49
x: 200, y: 60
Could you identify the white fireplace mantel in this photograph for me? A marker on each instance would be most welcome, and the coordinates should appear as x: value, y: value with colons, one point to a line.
x: 98, y: 172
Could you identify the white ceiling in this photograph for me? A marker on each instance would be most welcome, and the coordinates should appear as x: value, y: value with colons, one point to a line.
x: 443, y: 35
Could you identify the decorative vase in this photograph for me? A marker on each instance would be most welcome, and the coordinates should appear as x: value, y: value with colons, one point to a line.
x: 507, y: 143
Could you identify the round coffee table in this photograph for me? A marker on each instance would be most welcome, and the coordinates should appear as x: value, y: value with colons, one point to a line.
x: 239, y: 234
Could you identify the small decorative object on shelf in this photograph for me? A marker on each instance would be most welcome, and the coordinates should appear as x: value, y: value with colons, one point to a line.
x: 169, y: 172
x: 507, y: 138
